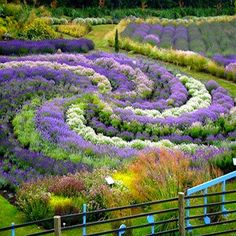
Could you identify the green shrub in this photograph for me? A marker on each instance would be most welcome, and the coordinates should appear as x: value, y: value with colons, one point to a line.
x: 34, y: 200
x: 224, y: 161
x: 3, y: 183
x: 38, y: 30
x: 66, y: 194
x: 63, y: 205
x: 3, y: 30
x: 11, y: 9
x: 43, y: 11
x: 8, y: 25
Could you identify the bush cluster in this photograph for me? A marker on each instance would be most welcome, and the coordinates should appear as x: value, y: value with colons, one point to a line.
x: 75, y: 30
x: 92, y: 21
x: 154, y: 175
x: 38, y: 30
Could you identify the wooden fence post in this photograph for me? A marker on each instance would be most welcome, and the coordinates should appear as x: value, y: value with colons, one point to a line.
x: 181, y: 206
x: 57, y: 225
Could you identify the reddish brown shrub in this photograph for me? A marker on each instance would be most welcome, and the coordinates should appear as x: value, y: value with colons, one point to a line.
x: 67, y: 186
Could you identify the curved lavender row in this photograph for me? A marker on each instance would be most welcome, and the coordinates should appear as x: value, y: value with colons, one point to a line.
x: 109, y: 126
x: 178, y: 93
x: 102, y: 82
x: 37, y: 81
x: 24, y: 165
x: 19, y: 86
x: 200, y: 99
x: 77, y: 121
x: 177, y: 137
x: 51, y: 124
x: 75, y: 60
x: 223, y: 97
x: 21, y: 47
x: 155, y: 121
x: 50, y: 119
x: 221, y: 104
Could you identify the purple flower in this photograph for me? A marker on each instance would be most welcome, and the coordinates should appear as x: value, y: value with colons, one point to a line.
x: 152, y: 39
x: 20, y: 47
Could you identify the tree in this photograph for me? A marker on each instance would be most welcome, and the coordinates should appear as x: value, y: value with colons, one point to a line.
x: 144, y: 4
x: 117, y: 48
x: 181, y: 3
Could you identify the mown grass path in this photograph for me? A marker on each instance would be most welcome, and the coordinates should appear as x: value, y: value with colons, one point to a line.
x: 97, y: 35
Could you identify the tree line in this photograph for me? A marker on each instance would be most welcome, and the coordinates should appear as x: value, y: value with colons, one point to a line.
x: 157, y: 4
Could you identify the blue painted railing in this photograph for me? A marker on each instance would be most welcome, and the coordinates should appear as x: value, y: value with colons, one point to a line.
x: 13, y: 229
x: 204, y: 187
x: 84, y: 219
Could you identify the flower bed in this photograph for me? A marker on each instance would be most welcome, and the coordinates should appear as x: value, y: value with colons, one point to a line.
x: 64, y: 116
x: 20, y: 47
x: 144, y: 179
x: 104, y: 108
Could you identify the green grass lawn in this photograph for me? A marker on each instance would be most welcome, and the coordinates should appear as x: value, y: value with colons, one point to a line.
x: 10, y: 214
x: 97, y: 35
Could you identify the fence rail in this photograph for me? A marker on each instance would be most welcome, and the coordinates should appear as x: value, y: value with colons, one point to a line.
x: 204, y: 187
x: 181, y: 211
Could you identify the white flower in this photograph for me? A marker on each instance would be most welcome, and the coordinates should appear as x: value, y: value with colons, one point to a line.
x: 200, y: 99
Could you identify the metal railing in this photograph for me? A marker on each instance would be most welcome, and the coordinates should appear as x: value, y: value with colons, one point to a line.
x: 123, y: 228
x: 204, y: 187
x: 181, y: 210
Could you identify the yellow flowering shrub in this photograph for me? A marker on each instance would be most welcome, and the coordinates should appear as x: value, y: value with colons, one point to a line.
x: 38, y: 29
x: 74, y: 30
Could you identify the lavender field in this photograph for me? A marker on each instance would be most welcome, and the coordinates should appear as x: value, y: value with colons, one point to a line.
x: 71, y: 115
x: 214, y: 39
